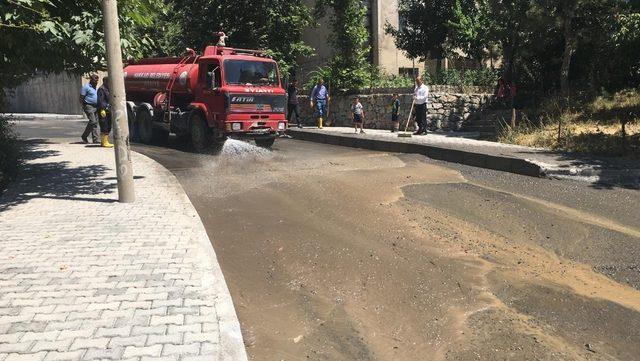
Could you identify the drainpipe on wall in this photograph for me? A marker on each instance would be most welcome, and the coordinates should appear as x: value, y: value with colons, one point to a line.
x: 375, y: 31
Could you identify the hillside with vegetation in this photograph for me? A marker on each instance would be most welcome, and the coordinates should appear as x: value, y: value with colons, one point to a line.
x: 607, y: 124
x: 575, y: 64
x: 571, y: 60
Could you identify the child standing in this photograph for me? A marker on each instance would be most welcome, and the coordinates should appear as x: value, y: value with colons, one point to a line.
x: 357, y: 112
x: 395, y: 109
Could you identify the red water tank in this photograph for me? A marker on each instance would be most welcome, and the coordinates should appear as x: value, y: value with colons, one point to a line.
x: 144, y: 79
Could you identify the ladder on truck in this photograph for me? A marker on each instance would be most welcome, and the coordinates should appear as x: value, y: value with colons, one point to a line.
x: 172, y: 81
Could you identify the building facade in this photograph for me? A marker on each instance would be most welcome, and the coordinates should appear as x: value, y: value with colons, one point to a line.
x: 384, y: 52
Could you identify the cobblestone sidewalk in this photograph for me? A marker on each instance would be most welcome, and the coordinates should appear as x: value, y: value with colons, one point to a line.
x: 83, y: 277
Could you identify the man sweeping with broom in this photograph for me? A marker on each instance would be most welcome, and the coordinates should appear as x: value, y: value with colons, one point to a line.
x: 420, y: 96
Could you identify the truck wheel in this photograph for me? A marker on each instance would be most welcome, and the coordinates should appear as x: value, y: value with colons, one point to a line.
x: 148, y: 132
x: 133, y: 125
x: 144, y: 124
x: 201, y: 136
x: 265, y: 142
x: 182, y: 138
x: 160, y: 136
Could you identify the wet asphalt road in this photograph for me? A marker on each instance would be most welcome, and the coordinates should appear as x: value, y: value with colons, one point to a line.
x: 333, y: 253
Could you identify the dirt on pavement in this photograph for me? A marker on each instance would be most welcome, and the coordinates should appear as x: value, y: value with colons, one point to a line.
x: 339, y: 254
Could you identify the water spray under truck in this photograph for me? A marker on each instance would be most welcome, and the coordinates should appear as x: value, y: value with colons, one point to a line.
x: 225, y: 92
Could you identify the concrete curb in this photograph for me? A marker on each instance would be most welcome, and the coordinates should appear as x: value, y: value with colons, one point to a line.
x: 501, y: 163
x: 40, y: 116
x: 231, y: 343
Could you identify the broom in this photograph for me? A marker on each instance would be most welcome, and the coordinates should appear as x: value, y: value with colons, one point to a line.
x: 406, y: 134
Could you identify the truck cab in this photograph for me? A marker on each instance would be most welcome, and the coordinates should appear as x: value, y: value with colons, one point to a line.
x: 224, y: 92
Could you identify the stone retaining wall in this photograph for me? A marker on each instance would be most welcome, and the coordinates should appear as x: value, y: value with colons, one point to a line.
x: 448, y: 110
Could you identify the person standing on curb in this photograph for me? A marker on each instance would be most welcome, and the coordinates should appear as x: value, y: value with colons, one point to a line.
x: 292, y: 103
x: 319, y: 97
x: 104, y: 113
x: 357, y: 113
x: 89, y: 101
x: 420, y: 96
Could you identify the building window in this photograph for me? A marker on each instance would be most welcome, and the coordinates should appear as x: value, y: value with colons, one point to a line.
x: 408, y: 72
x: 402, y: 22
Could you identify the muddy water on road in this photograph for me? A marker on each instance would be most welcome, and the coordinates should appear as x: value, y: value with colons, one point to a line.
x: 339, y: 254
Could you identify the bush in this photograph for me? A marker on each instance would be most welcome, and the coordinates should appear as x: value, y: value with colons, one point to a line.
x: 375, y: 78
x: 471, y: 77
x: 9, y: 153
x: 379, y: 79
x: 321, y: 72
x: 604, y: 125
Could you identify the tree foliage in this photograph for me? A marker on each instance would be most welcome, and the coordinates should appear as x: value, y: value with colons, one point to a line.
x: 349, y: 68
x: 471, y: 28
x: 275, y: 25
x: 425, y: 31
x: 542, y: 44
x: 56, y: 35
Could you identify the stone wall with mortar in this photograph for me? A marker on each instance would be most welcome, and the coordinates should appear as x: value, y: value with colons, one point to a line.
x: 447, y: 109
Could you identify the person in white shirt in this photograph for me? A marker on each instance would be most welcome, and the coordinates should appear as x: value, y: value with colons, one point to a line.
x: 420, y: 97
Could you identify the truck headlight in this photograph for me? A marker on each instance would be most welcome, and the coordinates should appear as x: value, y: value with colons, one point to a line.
x: 236, y: 126
x: 281, y: 126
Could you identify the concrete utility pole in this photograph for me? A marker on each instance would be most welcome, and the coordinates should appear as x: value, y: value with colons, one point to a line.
x: 117, y: 99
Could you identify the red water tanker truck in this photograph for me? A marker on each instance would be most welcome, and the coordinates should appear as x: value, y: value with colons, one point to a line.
x: 222, y: 93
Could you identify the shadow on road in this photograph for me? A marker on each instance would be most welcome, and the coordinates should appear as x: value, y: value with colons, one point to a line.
x: 54, y: 180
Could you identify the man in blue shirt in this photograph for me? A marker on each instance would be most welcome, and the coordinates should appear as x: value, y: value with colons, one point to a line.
x: 319, y: 96
x: 89, y: 101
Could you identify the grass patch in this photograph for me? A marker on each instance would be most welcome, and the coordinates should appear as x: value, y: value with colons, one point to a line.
x: 604, y: 125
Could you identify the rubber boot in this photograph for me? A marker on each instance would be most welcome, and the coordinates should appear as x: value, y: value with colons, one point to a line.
x: 319, y: 123
x: 105, y: 141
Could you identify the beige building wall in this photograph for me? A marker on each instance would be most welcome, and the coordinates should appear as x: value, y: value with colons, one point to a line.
x: 385, y: 53
x: 389, y: 58
x: 318, y: 39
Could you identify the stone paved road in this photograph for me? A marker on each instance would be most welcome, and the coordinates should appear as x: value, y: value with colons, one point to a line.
x: 85, y: 278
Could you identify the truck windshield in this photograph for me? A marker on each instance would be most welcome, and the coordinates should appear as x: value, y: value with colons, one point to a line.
x: 247, y: 72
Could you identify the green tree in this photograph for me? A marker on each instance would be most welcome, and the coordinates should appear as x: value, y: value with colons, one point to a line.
x: 64, y: 35
x: 627, y: 43
x: 512, y: 31
x: 425, y: 29
x: 350, y: 68
x: 586, y: 46
x: 275, y: 25
x: 471, y: 28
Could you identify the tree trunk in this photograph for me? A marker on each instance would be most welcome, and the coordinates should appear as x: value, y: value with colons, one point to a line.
x: 438, y: 68
x: 569, y: 47
x: 509, y: 58
x: 625, y: 147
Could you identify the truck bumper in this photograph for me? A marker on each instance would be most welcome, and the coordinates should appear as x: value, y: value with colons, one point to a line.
x: 254, y: 134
